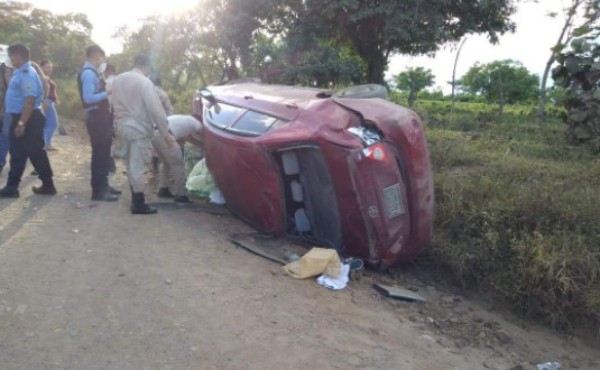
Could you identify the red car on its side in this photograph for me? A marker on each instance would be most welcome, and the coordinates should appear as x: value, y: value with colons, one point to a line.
x: 350, y: 174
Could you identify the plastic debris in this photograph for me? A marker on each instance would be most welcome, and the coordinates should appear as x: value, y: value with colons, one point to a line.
x: 398, y: 293
x: 336, y: 283
x: 216, y: 197
x: 200, y: 182
x: 549, y: 366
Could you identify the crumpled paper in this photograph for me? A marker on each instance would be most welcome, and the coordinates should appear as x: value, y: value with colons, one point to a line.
x: 316, y: 262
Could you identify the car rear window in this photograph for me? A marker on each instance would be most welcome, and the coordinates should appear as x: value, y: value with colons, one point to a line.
x: 221, y: 115
x: 255, y: 123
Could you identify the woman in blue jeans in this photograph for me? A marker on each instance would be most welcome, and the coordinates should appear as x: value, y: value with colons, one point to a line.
x: 50, y: 110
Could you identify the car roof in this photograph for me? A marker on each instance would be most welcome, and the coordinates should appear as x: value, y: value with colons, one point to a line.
x: 282, y: 101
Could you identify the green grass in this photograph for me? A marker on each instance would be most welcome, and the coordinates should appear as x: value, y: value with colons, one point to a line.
x: 518, y: 210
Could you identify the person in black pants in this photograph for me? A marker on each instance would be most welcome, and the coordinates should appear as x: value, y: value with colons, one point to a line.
x: 23, y: 102
x: 94, y: 98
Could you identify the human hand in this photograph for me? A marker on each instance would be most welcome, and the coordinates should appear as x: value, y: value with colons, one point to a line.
x: 20, y: 130
x: 44, y: 106
x: 170, y: 140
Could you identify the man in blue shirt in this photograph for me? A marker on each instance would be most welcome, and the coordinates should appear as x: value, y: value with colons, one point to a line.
x: 94, y: 98
x: 23, y: 101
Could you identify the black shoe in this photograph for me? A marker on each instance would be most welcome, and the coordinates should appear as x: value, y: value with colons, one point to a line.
x: 164, y: 193
x: 44, y: 190
x: 34, y: 173
x: 182, y: 199
x: 139, y: 206
x: 114, y: 191
x: 104, y: 196
x: 9, y: 192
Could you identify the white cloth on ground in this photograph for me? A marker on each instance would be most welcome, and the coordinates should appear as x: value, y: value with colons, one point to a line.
x: 337, y: 283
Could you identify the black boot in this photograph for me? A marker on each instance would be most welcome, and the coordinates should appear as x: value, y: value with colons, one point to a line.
x: 103, y: 195
x: 9, y: 192
x: 182, y: 199
x: 114, y: 191
x: 164, y: 193
x: 47, y: 188
x: 139, y: 206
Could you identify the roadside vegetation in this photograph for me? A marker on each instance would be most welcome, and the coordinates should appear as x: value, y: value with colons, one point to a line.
x: 517, y: 209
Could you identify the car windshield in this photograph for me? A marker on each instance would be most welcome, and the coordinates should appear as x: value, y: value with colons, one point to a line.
x: 254, y: 123
x: 249, y: 123
x: 221, y: 115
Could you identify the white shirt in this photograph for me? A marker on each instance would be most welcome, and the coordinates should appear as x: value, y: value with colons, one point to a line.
x: 136, y: 104
x: 182, y: 126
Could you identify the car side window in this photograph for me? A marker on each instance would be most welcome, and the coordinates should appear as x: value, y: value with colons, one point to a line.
x: 254, y: 123
x: 221, y: 115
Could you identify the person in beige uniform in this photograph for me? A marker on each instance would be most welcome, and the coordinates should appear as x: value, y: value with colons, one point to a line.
x: 184, y: 129
x: 137, y: 110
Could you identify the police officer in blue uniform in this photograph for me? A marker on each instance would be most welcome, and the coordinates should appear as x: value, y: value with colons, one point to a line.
x: 94, y: 98
x: 23, y: 101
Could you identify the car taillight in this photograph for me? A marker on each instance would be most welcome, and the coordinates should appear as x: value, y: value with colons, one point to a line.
x: 375, y: 152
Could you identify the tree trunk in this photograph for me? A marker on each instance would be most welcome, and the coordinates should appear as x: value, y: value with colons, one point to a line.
x: 454, y: 75
x: 411, y: 98
x: 500, y: 94
x: 376, y: 63
x: 572, y: 10
x: 542, y: 106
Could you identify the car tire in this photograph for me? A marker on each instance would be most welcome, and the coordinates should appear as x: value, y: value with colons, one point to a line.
x: 363, y: 92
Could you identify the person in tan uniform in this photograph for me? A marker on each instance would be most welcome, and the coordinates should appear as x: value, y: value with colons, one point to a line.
x: 137, y: 110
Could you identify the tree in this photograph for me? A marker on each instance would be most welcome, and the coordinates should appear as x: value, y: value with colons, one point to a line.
x: 414, y: 80
x: 378, y: 28
x: 505, y: 81
x: 590, y: 10
x: 59, y: 37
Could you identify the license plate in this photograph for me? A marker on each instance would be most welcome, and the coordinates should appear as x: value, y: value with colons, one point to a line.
x: 394, y: 203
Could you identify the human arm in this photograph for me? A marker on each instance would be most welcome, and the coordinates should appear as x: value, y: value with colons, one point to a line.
x: 194, y: 140
x: 165, y: 101
x: 89, y: 88
x: 156, y: 112
x: 25, y: 115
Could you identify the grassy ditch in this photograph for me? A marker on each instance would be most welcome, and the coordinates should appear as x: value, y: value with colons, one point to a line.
x: 518, y: 210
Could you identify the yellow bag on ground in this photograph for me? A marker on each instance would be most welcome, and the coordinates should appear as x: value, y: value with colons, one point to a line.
x: 316, y: 262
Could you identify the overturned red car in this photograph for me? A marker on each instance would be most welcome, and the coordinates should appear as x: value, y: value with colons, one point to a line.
x: 347, y: 173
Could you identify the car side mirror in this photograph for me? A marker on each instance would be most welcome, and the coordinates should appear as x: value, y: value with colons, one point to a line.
x: 208, y: 95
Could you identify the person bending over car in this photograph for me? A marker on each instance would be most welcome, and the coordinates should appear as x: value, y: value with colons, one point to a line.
x: 184, y: 129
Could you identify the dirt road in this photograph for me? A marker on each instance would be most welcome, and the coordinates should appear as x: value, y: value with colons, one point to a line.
x: 88, y: 286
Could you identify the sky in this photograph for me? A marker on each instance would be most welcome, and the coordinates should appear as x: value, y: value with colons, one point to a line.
x: 530, y: 44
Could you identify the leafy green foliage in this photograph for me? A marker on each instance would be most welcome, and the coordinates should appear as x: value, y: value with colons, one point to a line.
x: 579, y: 73
x: 505, y: 81
x: 378, y: 28
x: 414, y: 80
x: 60, y: 38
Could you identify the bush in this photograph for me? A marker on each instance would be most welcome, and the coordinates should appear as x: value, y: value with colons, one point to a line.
x: 517, y: 212
x: 70, y: 103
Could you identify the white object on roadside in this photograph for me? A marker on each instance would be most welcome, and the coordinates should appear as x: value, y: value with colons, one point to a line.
x: 337, y: 283
x: 216, y: 197
x: 549, y: 366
